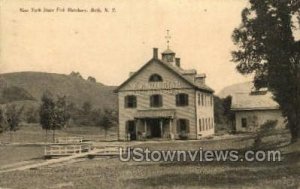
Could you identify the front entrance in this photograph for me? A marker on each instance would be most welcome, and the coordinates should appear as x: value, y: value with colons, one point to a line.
x: 131, y: 130
x: 155, y: 128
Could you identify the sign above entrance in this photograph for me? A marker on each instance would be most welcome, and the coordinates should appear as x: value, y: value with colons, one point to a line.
x: 155, y: 114
x: 156, y: 85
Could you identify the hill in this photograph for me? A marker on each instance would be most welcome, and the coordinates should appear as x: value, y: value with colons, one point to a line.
x: 240, y: 87
x: 29, y: 86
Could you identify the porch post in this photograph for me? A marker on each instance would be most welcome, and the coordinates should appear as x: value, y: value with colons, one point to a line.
x: 161, y: 127
x: 170, y: 128
x: 136, y: 129
x: 145, y: 126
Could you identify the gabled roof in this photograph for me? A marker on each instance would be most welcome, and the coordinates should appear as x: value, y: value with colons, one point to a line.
x: 176, y: 70
x: 253, y: 101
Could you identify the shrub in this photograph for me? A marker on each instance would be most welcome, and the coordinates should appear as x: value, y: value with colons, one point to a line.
x: 268, y: 125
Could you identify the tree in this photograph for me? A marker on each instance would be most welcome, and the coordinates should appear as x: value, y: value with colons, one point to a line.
x: 53, y: 114
x: 3, y: 124
x: 32, y: 115
x: 87, y: 108
x: 91, y: 79
x: 13, y: 118
x: 267, y: 48
x: 218, y: 110
x: 76, y: 75
x: 228, y: 113
x: 107, y: 120
x: 60, y: 114
x: 47, y: 114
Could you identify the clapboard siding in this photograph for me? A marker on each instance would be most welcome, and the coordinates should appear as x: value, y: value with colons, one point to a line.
x: 205, y: 112
x: 256, y: 118
x: 171, y: 85
x: 140, y: 81
x: 169, y: 102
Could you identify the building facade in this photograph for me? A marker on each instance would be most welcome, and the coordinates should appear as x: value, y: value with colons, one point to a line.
x: 162, y: 100
x: 254, y: 109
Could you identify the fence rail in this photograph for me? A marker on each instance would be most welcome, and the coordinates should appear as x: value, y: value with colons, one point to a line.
x: 62, y: 150
x: 69, y: 140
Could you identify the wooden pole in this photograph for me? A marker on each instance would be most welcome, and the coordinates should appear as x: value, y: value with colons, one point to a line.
x: 145, y: 126
x: 161, y: 128
x: 170, y: 129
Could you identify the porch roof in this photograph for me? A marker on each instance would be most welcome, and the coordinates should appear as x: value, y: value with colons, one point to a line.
x: 159, y: 113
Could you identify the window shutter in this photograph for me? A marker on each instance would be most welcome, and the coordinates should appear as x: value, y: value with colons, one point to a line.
x: 187, y: 99
x: 199, y: 124
x: 160, y: 100
x: 134, y: 102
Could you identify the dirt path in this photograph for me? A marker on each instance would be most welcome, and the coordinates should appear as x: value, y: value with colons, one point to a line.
x: 35, y: 165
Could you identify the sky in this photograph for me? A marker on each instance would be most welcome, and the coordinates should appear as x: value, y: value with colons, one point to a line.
x: 109, y: 45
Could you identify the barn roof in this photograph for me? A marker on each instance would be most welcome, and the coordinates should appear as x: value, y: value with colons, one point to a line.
x: 253, y: 101
x: 177, y: 70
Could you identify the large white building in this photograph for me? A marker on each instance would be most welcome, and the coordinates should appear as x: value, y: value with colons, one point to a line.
x: 163, y: 100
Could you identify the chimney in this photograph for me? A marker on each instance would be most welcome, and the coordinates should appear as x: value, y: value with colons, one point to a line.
x: 155, y: 53
x: 200, y: 78
x: 177, y: 62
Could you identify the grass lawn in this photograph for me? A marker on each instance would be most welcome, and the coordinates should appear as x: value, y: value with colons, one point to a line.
x: 33, y: 133
x: 112, y: 173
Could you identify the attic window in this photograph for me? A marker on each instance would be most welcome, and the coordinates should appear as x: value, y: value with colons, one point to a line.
x: 155, y: 78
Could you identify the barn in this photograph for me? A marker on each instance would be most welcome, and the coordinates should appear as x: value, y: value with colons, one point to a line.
x: 254, y: 109
x: 161, y: 100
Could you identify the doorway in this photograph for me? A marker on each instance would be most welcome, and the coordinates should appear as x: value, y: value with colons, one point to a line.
x: 155, y: 128
x: 131, y: 129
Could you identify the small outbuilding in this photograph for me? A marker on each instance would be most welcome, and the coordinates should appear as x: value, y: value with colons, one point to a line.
x: 254, y: 109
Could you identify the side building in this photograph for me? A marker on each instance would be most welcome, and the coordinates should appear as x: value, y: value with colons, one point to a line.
x: 254, y: 109
x: 162, y: 100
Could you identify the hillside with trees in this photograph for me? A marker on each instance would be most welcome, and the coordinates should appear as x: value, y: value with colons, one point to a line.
x: 86, y: 101
x: 30, y: 86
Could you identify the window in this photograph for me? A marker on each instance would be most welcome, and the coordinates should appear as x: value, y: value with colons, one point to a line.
x: 182, y: 99
x: 155, y: 78
x: 169, y: 58
x: 244, y: 122
x: 183, y: 126
x: 202, y: 100
x: 199, y: 99
x: 156, y: 100
x: 130, y: 101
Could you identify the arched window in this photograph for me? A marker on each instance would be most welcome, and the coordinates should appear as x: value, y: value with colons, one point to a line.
x: 155, y: 78
x: 182, y: 99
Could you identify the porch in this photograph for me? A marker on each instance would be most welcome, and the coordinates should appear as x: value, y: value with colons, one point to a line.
x: 153, y: 124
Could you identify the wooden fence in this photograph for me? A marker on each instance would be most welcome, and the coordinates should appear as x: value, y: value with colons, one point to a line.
x: 67, y: 149
x: 69, y: 140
